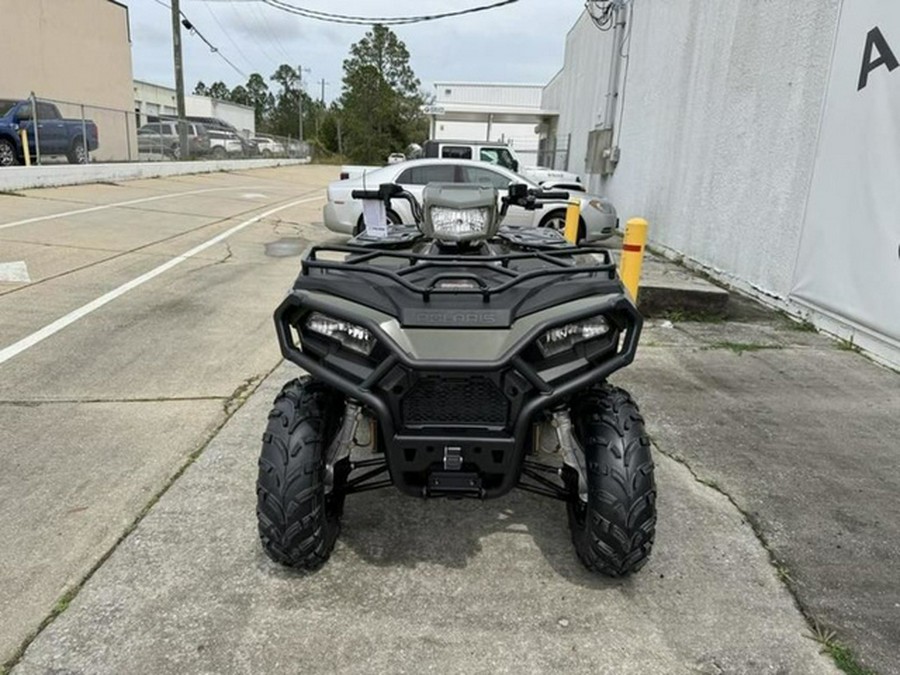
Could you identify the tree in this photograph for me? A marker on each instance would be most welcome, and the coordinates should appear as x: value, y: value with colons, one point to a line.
x: 201, y: 89
x: 283, y: 117
x: 240, y: 95
x: 260, y: 98
x: 380, y: 99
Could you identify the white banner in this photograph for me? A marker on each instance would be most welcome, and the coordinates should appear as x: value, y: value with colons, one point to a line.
x: 849, y: 259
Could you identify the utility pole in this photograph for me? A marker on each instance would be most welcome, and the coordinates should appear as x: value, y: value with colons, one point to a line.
x: 300, y: 99
x: 184, y: 151
x: 323, y: 83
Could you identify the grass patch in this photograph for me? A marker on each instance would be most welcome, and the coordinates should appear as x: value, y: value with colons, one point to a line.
x: 848, y: 346
x: 63, y: 603
x: 740, y: 347
x: 842, y: 655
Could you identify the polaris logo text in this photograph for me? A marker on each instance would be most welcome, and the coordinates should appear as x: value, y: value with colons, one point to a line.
x: 455, y: 318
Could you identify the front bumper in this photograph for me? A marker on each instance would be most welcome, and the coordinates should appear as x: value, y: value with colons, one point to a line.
x: 480, y: 411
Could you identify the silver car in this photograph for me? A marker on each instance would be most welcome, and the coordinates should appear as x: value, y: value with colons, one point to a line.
x: 343, y: 214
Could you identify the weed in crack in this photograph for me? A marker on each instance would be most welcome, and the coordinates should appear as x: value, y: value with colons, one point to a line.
x: 740, y: 347
x: 843, y: 657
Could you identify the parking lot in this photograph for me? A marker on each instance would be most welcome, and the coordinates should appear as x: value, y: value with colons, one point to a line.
x: 137, y: 365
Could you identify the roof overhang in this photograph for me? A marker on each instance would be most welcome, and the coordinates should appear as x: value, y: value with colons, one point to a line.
x: 467, y: 112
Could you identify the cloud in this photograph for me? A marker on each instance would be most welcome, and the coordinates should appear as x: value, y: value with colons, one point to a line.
x: 523, y: 42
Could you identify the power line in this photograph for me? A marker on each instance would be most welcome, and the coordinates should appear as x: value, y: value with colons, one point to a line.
x: 188, y: 24
x: 383, y: 20
x: 272, y: 33
x: 227, y: 36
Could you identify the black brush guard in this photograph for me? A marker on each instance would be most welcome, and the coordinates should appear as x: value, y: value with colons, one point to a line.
x: 486, y: 456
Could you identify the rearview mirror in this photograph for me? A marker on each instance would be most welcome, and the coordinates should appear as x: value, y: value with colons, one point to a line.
x: 515, y: 165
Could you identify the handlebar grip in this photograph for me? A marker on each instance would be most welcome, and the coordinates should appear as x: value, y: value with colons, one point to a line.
x: 366, y: 194
x: 551, y: 195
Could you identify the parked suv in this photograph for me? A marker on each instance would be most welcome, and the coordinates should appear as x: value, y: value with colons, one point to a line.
x: 161, y: 138
x: 225, y: 140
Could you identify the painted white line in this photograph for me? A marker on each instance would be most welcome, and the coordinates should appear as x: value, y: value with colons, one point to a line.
x: 14, y: 271
x: 50, y: 329
x: 130, y: 202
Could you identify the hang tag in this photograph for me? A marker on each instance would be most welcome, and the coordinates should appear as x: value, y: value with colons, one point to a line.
x: 375, y: 218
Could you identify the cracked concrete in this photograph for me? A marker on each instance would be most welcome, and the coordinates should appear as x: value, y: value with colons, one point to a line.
x: 414, y: 586
x: 799, y: 438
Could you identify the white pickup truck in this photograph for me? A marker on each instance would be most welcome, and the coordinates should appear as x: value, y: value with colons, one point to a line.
x: 492, y: 152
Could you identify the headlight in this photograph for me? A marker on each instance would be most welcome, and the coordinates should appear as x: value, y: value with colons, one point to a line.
x: 350, y: 335
x: 447, y: 221
x: 602, y: 206
x: 559, y: 339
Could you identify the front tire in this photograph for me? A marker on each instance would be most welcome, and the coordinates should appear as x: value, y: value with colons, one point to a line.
x: 298, y: 522
x: 613, y: 531
x: 8, y: 155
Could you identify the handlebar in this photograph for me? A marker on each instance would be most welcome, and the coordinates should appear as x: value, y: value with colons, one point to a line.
x: 549, y: 194
x: 388, y: 191
x: 530, y: 198
x: 518, y: 194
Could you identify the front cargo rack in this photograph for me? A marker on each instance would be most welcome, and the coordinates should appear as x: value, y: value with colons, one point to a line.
x: 559, y: 261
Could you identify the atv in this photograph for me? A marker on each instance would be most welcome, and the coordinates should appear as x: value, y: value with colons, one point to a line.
x: 453, y: 357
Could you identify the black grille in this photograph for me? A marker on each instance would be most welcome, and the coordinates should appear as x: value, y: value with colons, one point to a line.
x: 454, y: 400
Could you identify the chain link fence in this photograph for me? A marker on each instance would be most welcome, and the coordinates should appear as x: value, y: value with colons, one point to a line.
x: 65, y: 131
x: 553, y: 152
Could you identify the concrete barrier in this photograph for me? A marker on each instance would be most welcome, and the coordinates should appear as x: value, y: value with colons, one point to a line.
x: 24, y: 177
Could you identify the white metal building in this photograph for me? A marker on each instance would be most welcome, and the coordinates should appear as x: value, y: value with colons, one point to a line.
x: 761, y: 140
x: 154, y: 100
x: 481, y: 111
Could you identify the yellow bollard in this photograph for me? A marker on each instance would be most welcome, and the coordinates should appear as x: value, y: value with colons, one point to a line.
x: 23, y: 134
x: 633, y: 254
x: 573, y: 216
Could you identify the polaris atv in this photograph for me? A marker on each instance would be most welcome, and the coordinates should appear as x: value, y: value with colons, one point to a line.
x: 457, y: 358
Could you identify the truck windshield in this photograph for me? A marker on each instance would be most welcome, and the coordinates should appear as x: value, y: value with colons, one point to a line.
x: 6, y: 106
x: 499, y: 156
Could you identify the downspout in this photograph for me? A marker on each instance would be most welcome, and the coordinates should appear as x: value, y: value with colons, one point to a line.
x: 615, y: 67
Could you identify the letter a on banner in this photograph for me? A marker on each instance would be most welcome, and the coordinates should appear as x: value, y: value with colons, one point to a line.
x: 875, y: 42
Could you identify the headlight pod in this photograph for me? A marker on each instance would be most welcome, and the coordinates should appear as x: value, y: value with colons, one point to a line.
x: 350, y: 335
x: 457, y: 223
x: 601, y: 205
x: 562, y: 338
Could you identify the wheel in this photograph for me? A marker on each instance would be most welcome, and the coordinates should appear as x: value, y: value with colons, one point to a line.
x: 613, y: 530
x: 7, y: 153
x: 218, y: 152
x: 556, y: 220
x: 298, y: 522
x: 174, y: 152
x: 78, y: 154
x: 267, y: 153
x: 392, y: 217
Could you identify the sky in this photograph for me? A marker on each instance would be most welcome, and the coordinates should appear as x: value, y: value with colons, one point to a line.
x: 522, y: 42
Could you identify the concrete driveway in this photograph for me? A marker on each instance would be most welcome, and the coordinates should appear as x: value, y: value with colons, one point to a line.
x: 136, y: 370
x: 422, y: 587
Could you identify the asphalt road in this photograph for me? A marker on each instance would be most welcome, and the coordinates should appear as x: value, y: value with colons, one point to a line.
x: 144, y: 340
